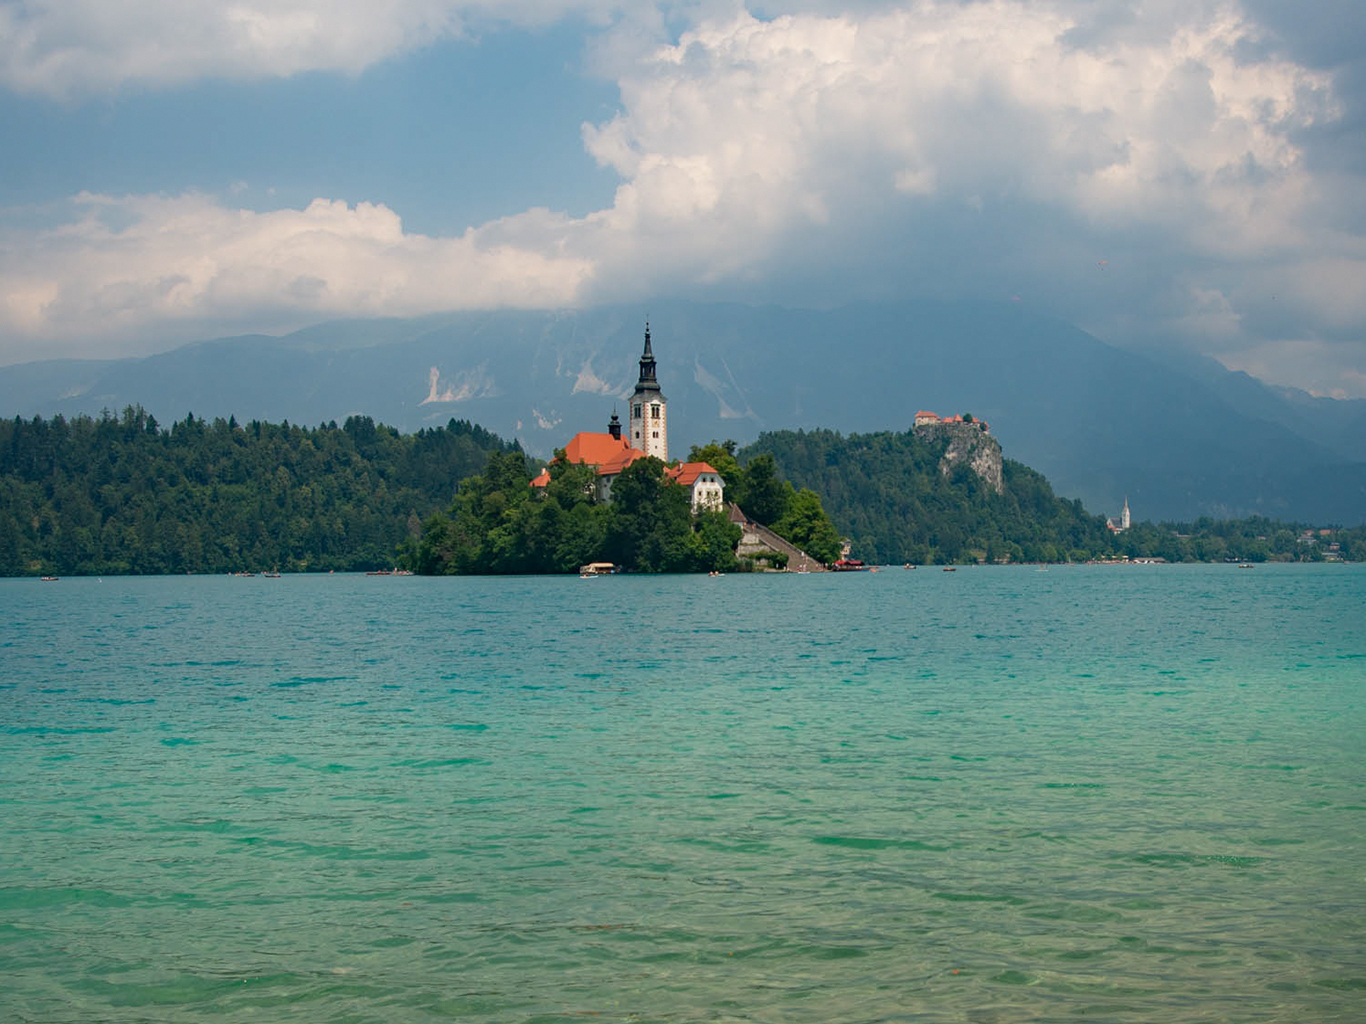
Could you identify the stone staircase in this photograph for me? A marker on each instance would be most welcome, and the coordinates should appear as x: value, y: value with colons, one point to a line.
x: 758, y: 540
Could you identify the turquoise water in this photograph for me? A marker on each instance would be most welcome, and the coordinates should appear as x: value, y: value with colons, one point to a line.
x: 1085, y: 794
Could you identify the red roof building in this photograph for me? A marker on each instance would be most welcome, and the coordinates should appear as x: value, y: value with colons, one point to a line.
x: 703, y: 482
x: 610, y: 453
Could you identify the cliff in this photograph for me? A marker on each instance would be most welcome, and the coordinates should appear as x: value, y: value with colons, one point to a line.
x: 967, y: 443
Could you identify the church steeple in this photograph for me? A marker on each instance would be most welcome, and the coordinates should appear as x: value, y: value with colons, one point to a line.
x: 614, y: 426
x: 649, y: 408
x: 647, y: 365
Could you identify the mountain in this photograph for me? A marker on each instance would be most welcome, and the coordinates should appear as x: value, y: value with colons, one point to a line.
x: 1179, y: 440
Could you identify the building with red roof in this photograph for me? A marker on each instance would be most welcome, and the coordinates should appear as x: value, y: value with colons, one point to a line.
x: 610, y: 453
x: 607, y: 453
x: 704, y: 483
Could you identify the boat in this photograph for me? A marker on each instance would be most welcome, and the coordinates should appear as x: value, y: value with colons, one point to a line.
x: 270, y: 575
x: 848, y: 565
x: 380, y: 572
x: 598, y: 569
x: 950, y: 568
x: 49, y: 579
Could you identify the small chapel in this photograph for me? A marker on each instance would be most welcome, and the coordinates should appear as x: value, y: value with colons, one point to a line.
x: 647, y: 434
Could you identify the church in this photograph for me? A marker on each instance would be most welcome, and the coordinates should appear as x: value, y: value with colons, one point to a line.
x: 647, y: 434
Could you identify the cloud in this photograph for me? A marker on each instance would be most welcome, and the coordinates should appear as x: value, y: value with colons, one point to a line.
x: 137, y: 263
x: 989, y: 149
x: 68, y: 48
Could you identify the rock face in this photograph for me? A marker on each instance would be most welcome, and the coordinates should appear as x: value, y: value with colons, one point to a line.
x: 969, y: 443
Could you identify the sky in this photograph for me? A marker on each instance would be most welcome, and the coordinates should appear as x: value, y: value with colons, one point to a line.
x: 1176, y: 176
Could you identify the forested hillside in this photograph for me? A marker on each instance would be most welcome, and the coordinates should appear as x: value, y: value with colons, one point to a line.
x: 124, y: 495
x: 886, y: 493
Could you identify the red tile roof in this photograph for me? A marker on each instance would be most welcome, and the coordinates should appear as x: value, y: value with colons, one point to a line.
x: 922, y: 414
x: 607, y: 453
x: 542, y: 479
x: 686, y: 473
x: 620, y: 461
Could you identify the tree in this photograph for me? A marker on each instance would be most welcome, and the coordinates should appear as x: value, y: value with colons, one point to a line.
x: 651, y: 520
x: 766, y: 496
x: 807, y: 526
x: 714, y: 541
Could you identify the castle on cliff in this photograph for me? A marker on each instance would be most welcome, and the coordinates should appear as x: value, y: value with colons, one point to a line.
x: 648, y: 429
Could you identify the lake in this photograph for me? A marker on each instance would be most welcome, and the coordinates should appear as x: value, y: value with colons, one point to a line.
x: 1106, y: 793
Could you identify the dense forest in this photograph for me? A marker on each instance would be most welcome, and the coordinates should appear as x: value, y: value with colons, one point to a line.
x: 886, y: 493
x: 121, y: 494
x: 500, y: 524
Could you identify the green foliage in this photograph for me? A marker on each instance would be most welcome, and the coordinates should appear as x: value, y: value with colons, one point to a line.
x: 721, y: 457
x: 887, y: 494
x: 1255, y: 539
x: 807, y: 526
x: 757, y: 488
x: 123, y: 495
x: 767, y: 496
x: 499, y: 524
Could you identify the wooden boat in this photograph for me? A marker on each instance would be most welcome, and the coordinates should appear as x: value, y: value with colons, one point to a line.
x: 598, y: 569
x: 848, y: 565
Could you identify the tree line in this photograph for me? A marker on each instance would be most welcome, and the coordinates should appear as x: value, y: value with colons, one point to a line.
x: 888, y: 495
x: 122, y: 494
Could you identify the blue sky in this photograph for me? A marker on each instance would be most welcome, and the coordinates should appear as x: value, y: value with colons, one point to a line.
x: 1169, y: 175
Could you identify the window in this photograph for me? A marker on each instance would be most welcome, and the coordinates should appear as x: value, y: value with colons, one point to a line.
x: 656, y: 433
x: 654, y: 412
x: 636, y: 414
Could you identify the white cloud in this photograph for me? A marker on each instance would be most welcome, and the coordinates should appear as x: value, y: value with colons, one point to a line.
x: 748, y: 148
x: 134, y: 262
x: 66, y: 48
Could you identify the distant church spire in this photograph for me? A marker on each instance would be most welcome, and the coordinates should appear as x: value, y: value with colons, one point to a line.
x: 647, y: 364
x: 649, y: 408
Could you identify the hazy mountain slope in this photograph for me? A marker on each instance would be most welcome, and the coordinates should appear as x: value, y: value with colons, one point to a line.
x: 1099, y: 422
x: 1338, y: 424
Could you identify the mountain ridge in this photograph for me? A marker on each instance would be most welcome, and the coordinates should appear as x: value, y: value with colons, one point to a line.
x: 1100, y: 422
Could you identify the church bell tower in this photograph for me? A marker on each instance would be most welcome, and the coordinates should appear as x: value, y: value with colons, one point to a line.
x: 649, y: 420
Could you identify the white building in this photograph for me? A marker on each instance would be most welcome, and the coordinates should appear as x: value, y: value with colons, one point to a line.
x: 649, y: 421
